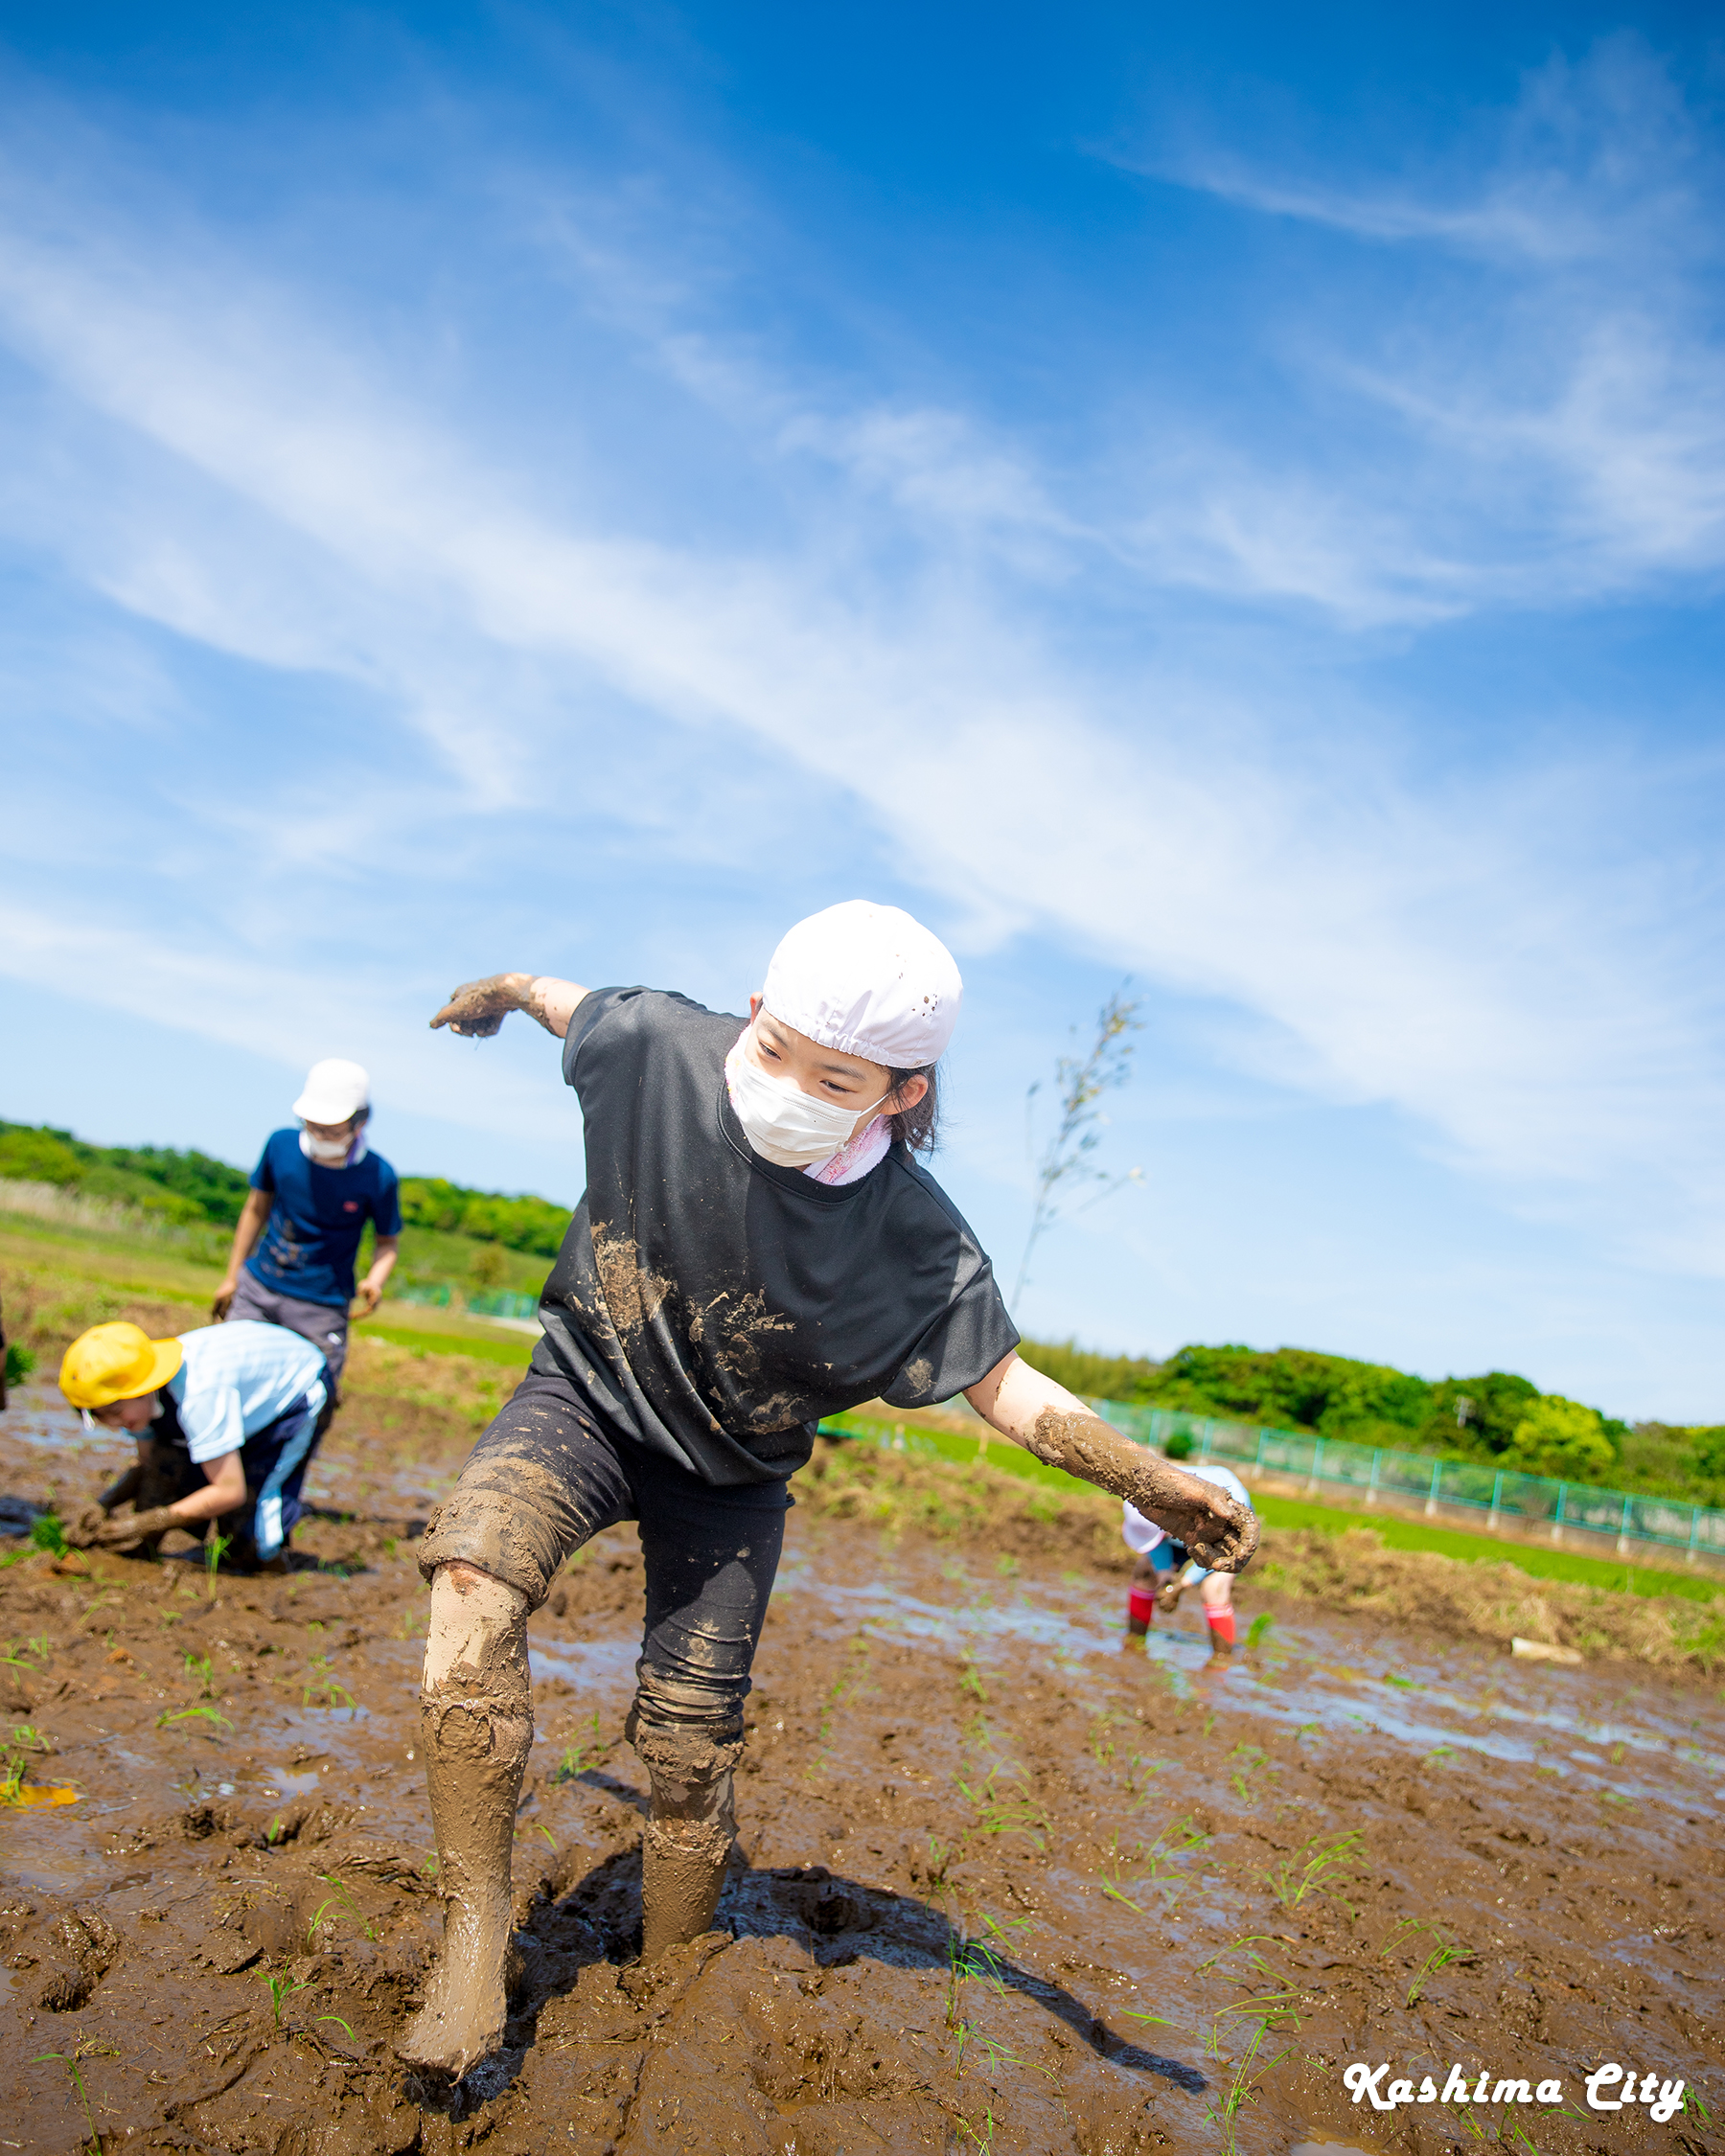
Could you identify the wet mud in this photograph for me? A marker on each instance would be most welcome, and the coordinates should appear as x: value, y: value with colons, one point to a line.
x: 999, y: 1881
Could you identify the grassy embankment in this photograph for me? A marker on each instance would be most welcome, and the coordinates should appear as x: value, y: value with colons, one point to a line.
x: 429, y: 1380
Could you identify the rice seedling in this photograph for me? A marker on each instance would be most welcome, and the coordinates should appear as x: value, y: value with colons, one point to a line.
x: 339, y: 1898
x: 217, y: 1546
x: 193, y: 1715
x: 1317, y: 1867
x: 69, y: 2061
x: 280, y: 1987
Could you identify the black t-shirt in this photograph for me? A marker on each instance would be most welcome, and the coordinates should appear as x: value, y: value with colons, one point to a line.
x: 714, y: 1306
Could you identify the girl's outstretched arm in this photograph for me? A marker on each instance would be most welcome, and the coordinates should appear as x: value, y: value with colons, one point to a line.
x: 478, y: 1007
x: 1057, y: 1427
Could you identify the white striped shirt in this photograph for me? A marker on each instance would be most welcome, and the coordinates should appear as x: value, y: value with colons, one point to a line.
x: 239, y: 1378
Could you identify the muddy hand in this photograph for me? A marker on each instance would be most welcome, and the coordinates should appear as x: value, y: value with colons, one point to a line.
x: 115, y: 1534
x: 87, y: 1529
x: 477, y: 1008
x: 1221, y: 1534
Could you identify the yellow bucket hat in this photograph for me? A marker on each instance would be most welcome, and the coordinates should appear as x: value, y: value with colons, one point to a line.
x: 119, y: 1362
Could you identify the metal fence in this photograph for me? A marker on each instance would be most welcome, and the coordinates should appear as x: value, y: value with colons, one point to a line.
x: 503, y: 1303
x: 1372, y: 1472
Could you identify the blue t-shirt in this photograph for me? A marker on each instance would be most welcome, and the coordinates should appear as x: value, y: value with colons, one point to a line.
x: 310, y: 1239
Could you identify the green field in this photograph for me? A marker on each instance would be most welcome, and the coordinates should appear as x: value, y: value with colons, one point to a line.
x: 499, y: 1346
x: 1297, y: 1513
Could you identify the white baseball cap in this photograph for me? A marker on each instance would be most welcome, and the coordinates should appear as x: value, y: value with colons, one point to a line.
x: 334, y: 1091
x: 868, y: 981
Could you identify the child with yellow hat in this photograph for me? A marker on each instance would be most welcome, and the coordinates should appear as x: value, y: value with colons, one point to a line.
x: 225, y: 1419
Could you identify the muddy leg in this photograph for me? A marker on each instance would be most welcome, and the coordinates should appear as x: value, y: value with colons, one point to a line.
x: 477, y: 1726
x: 689, y: 1832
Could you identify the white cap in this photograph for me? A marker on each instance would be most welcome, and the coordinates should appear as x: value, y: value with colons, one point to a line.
x: 334, y: 1091
x: 869, y: 981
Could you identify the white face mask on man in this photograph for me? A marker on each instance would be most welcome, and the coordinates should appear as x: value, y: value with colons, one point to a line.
x: 784, y: 1125
x: 338, y: 1153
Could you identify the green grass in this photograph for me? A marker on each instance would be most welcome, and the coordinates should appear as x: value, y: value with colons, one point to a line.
x: 1487, y: 1550
x: 1328, y: 1519
x: 512, y: 1347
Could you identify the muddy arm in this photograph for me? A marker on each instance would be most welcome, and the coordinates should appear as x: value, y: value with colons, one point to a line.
x: 1058, y: 1428
x: 477, y: 1008
x: 124, y: 1490
x: 224, y: 1491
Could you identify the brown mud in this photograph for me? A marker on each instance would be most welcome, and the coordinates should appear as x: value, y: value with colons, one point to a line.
x: 1000, y: 1884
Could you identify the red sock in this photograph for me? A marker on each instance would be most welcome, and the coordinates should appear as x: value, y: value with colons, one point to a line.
x: 1140, y: 1607
x: 1221, y: 1624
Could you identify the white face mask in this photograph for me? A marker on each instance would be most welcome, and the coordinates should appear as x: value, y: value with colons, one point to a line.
x: 784, y: 1124
x: 327, y: 1156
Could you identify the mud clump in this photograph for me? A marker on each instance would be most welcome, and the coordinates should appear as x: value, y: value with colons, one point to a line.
x: 997, y: 1881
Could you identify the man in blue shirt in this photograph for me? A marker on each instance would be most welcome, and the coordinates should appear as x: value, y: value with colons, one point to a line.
x: 226, y: 1421
x: 313, y: 1192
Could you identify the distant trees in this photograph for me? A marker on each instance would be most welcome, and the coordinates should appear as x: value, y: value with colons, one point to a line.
x: 518, y: 1224
x: 1498, y: 1416
x: 187, y: 1187
x: 179, y: 1187
x: 1561, y: 1437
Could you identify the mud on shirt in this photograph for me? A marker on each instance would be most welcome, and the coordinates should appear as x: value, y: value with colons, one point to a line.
x: 714, y: 1306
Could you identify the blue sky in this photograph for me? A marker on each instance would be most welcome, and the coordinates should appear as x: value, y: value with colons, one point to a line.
x: 1231, y: 498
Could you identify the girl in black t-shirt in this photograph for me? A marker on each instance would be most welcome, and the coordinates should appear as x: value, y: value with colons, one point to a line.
x: 758, y: 1246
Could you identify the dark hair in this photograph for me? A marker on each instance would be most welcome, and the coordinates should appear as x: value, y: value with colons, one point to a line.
x: 918, y: 1126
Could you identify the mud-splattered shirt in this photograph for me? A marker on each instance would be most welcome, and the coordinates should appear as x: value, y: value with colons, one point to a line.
x: 713, y: 1306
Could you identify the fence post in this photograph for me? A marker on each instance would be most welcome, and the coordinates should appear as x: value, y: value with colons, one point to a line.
x: 1371, y: 1487
x: 1431, y: 1500
x: 1690, y: 1556
x: 1624, y: 1526
x: 1257, y: 1457
x: 1491, y: 1518
x: 1558, y: 1516
x: 1312, y: 1477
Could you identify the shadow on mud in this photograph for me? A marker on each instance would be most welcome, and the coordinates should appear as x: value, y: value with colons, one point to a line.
x: 836, y: 1921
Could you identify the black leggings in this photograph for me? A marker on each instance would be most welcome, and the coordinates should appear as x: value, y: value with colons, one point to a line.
x: 548, y: 1474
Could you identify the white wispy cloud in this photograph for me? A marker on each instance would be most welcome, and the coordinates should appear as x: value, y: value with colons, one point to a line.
x: 1554, y: 388
x: 230, y: 457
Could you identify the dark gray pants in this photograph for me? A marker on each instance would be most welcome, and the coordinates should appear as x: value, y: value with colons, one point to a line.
x: 547, y: 1474
x: 322, y: 1323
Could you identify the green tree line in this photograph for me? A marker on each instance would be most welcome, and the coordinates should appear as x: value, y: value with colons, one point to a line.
x: 1497, y: 1415
x: 189, y: 1187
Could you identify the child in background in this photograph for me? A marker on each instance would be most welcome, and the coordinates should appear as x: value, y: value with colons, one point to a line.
x: 1157, y: 1577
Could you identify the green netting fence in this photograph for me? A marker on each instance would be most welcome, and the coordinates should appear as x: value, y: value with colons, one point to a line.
x: 1374, y: 1471
x: 504, y: 1302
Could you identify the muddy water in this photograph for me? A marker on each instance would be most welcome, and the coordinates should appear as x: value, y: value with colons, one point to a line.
x: 1003, y: 1883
